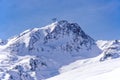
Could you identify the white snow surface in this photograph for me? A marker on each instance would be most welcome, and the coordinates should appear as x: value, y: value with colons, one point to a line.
x: 91, y: 70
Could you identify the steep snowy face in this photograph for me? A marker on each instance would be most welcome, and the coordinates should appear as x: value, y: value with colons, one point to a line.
x: 111, y: 49
x: 58, y: 37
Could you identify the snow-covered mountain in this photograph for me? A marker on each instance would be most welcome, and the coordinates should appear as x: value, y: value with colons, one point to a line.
x: 111, y: 49
x: 61, y: 37
x: 58, y: 48
x: 39, y: 53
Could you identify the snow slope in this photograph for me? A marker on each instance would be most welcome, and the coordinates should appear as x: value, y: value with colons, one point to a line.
x: 91, y: 70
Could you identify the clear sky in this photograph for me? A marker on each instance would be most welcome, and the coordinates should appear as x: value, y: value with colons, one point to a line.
x: 98, y: 18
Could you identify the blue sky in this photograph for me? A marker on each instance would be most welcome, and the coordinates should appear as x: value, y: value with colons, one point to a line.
x: 98, y: 18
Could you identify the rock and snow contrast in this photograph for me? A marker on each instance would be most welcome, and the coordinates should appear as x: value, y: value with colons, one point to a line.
x: 59, y: 51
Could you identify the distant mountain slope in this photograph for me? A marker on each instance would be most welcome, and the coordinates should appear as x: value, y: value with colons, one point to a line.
x: 111, y: 49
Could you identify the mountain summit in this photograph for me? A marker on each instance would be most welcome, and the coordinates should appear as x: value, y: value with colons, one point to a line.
x: 43, y: 51
x: 61, y: 36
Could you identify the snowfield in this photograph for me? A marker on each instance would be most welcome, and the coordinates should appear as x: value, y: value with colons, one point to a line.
x: 107, y: 70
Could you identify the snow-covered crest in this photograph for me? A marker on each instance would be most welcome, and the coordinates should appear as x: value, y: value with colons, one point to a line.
x: 47, y: 49
x: 61, y: 35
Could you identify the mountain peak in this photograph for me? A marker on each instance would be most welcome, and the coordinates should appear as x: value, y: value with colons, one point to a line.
x: 60, y: 35
x: 48, y: 48
x: 64, y: 27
